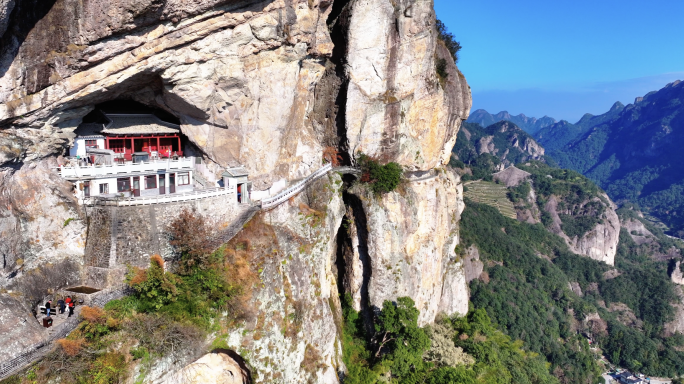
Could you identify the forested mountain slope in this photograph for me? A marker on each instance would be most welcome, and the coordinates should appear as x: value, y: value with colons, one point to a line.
x: 535, y: 288
x: 558, y: 135
x: 565, y: 201
x: 490, y: 149
x: 637, y: 155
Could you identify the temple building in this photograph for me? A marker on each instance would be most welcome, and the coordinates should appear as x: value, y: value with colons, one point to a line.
x: 138, y: 155
x: 129, y: 134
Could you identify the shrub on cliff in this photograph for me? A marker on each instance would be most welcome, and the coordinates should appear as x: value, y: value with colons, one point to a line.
x: 449, y: 40
x: 381, y: 178
x: 191, y: 238
x: 154, y: 287
x: 398, y: 346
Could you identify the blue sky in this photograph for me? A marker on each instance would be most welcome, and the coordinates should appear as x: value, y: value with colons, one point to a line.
x: 565, y: 58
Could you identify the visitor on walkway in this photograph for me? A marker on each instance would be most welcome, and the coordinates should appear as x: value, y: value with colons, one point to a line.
x: 70, y: 303
x: 61, y: 305
x: 47, y: 308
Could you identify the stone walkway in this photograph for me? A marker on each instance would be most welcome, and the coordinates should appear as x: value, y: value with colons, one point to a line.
x: 58, y: 319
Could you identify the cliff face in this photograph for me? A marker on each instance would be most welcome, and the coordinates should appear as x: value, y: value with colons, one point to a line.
x: 394, y: 251
x: 267, y: 85
x: 406, y: 116
x: 600, y: 242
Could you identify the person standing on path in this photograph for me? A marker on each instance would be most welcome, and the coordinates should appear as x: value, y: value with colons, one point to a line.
x: 70, y: 303
x: 61, y: 305
x: 47, y: 307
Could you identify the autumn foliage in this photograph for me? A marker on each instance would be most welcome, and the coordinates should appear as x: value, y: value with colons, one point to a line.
x: 332, y: 156
x: 71, y: 347
x: 191, y: 237
x: 93, y: 315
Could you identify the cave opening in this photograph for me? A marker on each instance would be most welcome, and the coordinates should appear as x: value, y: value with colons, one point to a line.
x: 128, y: 127
x: 132, y: 106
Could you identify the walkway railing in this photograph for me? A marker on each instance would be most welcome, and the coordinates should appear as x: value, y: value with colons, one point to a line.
x: 38, y: 350
x: 76, y: 172
x: 158, y: 199
x: 295, y: 189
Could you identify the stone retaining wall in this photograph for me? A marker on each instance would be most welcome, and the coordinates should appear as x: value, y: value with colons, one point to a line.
x: 140, y: 232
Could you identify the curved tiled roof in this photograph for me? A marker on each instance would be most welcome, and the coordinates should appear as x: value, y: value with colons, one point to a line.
x: 141, y: 124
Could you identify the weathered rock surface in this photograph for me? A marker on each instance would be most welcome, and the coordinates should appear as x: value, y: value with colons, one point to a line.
x: 40, y: 221
x: 212, y: 368
x: 599, y: 243
x: 294, y: 335
x: 677, y: 275
x: 637, y: 230
x: 19, y: 329
x: 511, y: 176
x: 397, y: 109
x: 515, y: 138
x: 472, y: 264
x: 677, y: 323
x: 407, y: 255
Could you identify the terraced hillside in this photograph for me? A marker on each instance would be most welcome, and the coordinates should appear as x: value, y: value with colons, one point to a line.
x: 491, y: 194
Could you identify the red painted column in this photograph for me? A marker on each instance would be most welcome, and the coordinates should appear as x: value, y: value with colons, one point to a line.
x: 179, y: 145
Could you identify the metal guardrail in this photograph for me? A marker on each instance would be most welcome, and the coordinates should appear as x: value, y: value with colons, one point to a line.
x: 38, y: 350
x: 158, y: 199
x: 295, y: 189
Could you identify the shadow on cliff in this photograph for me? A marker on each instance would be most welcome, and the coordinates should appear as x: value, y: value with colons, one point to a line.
x: 345, y: 254
x: 24, y: 16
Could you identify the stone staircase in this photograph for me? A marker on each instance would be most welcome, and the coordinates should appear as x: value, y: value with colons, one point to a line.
x: 233, y: 229
x: 201, y: 180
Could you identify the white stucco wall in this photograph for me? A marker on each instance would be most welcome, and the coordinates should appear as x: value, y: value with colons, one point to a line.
x: 79, y: 148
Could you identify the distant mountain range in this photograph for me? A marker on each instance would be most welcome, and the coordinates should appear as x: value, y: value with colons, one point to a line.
x: 634, y: 152
x: 557, y: 135
x: 530, y: 125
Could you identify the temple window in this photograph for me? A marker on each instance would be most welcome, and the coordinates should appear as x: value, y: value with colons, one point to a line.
x: 151, y: 182
x: 183, y: 178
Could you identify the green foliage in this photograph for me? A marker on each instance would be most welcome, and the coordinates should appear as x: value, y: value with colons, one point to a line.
x: 355, y: 353
x: 527, y: 297
x: 456, y: 163
x: 155, y: 287
x: 381, y: 178
x: 564, y: 183
x: 400, y: 346
x: 520, y: 192
x: 400, y: 339
x: 449, y: 40
x: 499, y: 358
x: 632, y: 349
x: 648, y: 293
x: 467, y: 149
x: 108, y: 368
x: 67, y: 221
x: 139, y: 353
